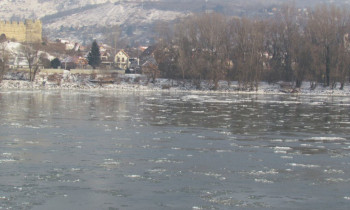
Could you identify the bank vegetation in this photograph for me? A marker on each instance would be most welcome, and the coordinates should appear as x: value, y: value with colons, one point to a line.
x: 293, y: 46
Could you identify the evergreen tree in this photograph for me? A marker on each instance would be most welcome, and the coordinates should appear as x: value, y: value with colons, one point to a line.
x: 94, y: 56
x: 55, y: 63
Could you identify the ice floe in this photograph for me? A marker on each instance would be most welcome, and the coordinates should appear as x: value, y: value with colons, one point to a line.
x: 303, y: 165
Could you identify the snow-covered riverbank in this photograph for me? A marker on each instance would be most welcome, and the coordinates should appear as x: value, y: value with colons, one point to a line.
x: 133, y: 82
x: 163, y: 85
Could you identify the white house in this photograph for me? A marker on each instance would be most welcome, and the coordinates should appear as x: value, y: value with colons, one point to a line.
x: 121, y: 60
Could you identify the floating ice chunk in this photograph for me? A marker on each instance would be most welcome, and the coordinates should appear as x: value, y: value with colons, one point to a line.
x: 6, y: 154
x: 337, y: 180
x: 18, y: 188
x: 325, y: 138
x: 333, y: 171
x: 198, y: 112
x: 157, y: 171
x: 291, y: 140
x: 165, y: 160
x: 223, y: 151
x: 134, y: 176
x: 276, y: 140
x: 265, y: 181
x: 282, y: 150
x: 305, y: 145
x: 303, y: 165
x: 213, y: 174
x: 32, y: 142
x: 110, y: 163
x: 260, y: 173
x: 190, y: 97
x: 347, y: 198
x: 286, y: 157
x: 7, y: 160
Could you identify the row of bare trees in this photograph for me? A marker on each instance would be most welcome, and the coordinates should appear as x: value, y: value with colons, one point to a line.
x: 294, y: 45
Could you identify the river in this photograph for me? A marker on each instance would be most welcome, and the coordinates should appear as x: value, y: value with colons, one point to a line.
x: 137, y: 150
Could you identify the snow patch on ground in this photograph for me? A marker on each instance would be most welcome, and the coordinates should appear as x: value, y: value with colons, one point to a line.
x: 68, y: 81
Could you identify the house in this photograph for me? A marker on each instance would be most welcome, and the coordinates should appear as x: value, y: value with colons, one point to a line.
x: 81, y: 62
x: 121, y: 60
x: 147, y: 54
x: 69, y: 63
x: 73, y: 62
x: 106, y: 59
x: 147, y: 58
x: 134, y: 65
x: 150, y: 68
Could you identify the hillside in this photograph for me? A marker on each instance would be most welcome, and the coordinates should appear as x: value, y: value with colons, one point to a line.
x: 84, y: 20
x: 90, y: 22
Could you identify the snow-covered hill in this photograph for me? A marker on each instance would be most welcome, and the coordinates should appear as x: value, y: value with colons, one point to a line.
x: 83, y: 19
x: 112, y: 14
x: 41, y: 8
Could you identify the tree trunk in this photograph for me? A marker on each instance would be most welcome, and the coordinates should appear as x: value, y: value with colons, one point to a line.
x: 289, y: 72
x: 328, y: 66
x: 298, y: 83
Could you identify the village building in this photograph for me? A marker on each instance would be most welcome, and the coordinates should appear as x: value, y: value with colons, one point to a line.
x: 69, y: 63
x: 74, y: 62
x: 121, y: 60
x: 147, y: 58
x: 106, y: 60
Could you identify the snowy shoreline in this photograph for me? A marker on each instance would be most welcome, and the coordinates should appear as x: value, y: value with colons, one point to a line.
x: 163, y: 85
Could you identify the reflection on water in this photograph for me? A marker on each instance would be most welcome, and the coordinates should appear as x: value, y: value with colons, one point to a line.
x: 118, y: 150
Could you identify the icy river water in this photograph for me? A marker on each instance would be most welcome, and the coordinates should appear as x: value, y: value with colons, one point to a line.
x: 154, y: 151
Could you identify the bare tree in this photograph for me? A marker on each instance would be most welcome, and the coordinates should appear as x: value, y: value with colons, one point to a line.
x: 4, y: 59
x: 305, y: 62
x: 32, y: 56
x: 283, y: 36
x: 212, y: 39
x: 112, y: 35
x: 328, y: 25
x: 165, y: 52
x: 185, y: 39
x: 342, y: 67
x: 150, y: 68
x: 247, y: 51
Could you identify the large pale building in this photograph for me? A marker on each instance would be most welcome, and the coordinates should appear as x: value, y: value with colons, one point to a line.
x: 27, y: 31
